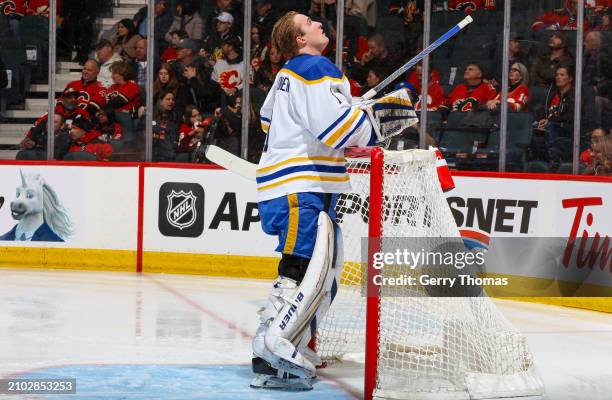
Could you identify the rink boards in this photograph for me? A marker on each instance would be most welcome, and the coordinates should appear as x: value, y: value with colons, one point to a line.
x: 194, y: 219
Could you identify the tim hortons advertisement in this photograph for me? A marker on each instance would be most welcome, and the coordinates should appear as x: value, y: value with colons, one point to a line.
x: 543, y: 229
x: 62, y: 206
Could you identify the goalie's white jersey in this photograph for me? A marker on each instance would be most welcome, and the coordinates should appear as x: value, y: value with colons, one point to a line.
x: 309, y: 120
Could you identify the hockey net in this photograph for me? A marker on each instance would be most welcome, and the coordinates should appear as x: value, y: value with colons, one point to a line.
x: 419, y: 346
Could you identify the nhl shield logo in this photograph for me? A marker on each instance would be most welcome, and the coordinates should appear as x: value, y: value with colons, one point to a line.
x: 181, y: 211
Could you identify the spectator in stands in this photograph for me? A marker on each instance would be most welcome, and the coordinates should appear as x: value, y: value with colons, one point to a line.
x: 411, y: 12
x: 323, y: 11
x: 377, y: 57
x: 110, y: 130
x: 165, y: 82
x: 91, y: 93
x: 361, y: 13
x: 187, y: 52
x: 587, y: 156
x: 67, y: 105
x: 163, y: 21
x: 34, y: 144
x: 229, y: 127
x: 265, y: 16
x: 597, y: 73
x: 561, y: 19
x: 140, y: 64
x: 471, y: 95
x: 229, y: 6
x: 264, y: 76
x: 516, y: 54
x: 435, y: 91
x: 604, y: 21
x: 469, y: 6
x: 198, y: 89
x: 188, y: 19
x: 191, y: 132
x: 106, y: 56
x: 228, y: 71
x: 602, y: 158
x: 165, y: 129
x: 556, y: 119
x: 518, y: 90
x: 373, y: 79
x: 543, y: 70
x: 84, y: 143
x: 14, y: 13
x: 170, y: 54
x: 212, y: 43
x: 259, y: 47
x: 125, y: 39
x: 123, y: 98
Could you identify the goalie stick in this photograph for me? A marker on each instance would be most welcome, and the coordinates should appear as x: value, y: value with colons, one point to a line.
x: 412, y: 62
x: 231, y: 162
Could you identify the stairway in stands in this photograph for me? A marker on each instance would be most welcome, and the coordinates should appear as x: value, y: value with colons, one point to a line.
x: 17, y: 121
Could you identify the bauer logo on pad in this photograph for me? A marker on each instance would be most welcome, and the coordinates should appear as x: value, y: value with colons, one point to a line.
x: 181, y: 209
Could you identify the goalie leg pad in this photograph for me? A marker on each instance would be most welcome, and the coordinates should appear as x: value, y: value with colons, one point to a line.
x: 287, y: 329
x: 331, y: 285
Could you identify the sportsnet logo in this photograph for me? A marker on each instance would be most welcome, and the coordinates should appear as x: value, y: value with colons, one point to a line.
x: 181, y: 209
x: 493, y: 216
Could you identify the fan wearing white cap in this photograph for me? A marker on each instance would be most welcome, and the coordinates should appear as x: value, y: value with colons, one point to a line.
x: 223, y: 30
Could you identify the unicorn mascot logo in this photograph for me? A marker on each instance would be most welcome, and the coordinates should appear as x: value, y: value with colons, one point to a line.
x: 41, y: 215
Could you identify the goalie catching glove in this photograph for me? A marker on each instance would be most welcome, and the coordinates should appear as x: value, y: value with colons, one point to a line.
x: 390, y: 114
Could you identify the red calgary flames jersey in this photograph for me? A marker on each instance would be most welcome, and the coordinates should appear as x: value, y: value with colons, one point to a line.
x: 129, y: 92
x: 465, y: 98
x: 518, y: 98
x: 90, y: 93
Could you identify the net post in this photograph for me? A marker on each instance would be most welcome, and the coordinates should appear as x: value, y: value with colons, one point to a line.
x: 372, y: 290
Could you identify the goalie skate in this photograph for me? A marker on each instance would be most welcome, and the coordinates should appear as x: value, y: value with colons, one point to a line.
x: 263, y: 381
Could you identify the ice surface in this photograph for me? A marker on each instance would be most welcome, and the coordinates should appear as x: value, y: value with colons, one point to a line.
x: 125, y: 336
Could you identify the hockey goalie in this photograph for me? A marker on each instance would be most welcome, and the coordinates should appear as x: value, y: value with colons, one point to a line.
x: 310, y: 118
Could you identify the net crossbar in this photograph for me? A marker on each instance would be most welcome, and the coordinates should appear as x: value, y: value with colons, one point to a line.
x: 424, y: 346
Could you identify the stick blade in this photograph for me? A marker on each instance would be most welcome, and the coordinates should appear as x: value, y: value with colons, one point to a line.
x: 231, y: 162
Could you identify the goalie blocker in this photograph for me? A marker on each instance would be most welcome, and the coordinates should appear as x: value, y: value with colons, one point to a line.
x: 391, y: 114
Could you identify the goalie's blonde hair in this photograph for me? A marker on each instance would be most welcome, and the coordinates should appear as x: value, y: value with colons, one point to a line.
x: 284, y: 35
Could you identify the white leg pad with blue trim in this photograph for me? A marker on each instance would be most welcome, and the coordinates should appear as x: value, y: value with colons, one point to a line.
x: 285, y: 333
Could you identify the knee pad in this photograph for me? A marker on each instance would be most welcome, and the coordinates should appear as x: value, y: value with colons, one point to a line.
x: 293, y: 267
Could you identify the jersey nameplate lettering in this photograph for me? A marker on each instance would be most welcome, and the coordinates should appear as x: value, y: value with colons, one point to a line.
x: 283, y: 84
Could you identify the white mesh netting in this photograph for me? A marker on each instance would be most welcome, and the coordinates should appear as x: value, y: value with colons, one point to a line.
x: 429, y: 347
